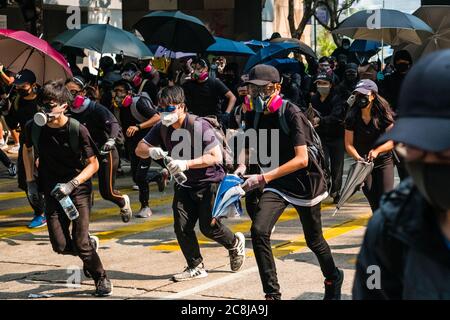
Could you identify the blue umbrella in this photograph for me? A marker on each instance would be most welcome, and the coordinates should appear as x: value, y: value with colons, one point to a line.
x: 360, y: 45
x: 256, y: 45
x: 287, y: 65
x: 227, y: 203
x: 275, y: 50
x: 229, y: 47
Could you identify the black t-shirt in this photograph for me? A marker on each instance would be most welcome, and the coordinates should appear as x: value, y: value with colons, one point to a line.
x: 365, y: 136
x: 305, y: 183
x: 58, y: 163
x: 24, y: 113
x: 331, y: 126
x: 203, y: 98
x: 100, y: 122
x: 145, y: 108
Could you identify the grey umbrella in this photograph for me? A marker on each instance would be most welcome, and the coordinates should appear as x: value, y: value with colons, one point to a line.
x: 438, y: 17
x: 357, y: 173
x: 391, y: 26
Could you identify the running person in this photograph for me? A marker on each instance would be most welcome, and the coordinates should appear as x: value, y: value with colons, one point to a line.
x: 104, y: 130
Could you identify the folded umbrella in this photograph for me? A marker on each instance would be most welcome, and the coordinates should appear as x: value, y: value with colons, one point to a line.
x: 104, y: 38
x: 229, y: 47
x: 21, y: 50
x: 227, y: 202
x: 357, y: 173
x: 175, y: 31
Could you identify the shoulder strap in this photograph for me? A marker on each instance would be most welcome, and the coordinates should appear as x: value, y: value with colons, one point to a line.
x: 142, y: 86
x: 190, y: 125
x: 35, y: 135
x: 282, y: 118
x: 74, y: 135
x: 135, y: 112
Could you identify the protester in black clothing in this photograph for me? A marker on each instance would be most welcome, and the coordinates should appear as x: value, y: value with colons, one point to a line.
x: 194, y: 199
x: 408, y: 239
x: 297, y: 181
x: 344, y: 49
x: 68, y: 170
x: 137, y: 116
x: 134, y: 75
x: 104, y: 130
x: 330, y: 126
x: 22, y: 110
x: 369, y: 117
x: 292, y: 90
x: 203, y: 94
x: 349, y: 81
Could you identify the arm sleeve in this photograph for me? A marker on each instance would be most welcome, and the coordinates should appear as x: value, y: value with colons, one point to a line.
x: 145, y: 108
x: 221, y: 88
x: 111, y: 124
x: 27, y: 134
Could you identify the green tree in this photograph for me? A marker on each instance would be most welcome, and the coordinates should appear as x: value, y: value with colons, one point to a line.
x: 325, y: 43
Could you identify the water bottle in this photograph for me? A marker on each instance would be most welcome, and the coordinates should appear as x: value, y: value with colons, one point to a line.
x: 180, y: 177
x: 66, y: 203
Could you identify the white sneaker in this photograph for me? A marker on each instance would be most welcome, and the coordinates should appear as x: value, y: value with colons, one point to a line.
x: 126, y: 212
x: 95, y: 242
x: 14, y: 149
x: 237, y: 254
x: 145, y: 212
x: 191, y: 274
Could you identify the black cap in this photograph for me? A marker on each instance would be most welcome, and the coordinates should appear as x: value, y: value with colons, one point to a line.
x: 324, y: 76
x: 366, y: 86
x: 263, y: 74
x: 424, y: 105
x: 25, y: 76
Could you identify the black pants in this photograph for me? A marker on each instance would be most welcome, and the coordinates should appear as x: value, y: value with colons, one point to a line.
x: 334, y: 151
x: 78, y: 242
x: 380, y: 181
x: 190, y: 205
x: 270, y: 208
x: 5, y: 159
x: 22, y: 180
x: 140, y: 171
x: 107, y: 178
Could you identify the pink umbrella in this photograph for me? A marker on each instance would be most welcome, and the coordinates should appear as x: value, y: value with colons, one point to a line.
x: 21, y: 50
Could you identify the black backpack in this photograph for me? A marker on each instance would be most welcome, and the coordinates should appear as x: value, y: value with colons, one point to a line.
x: 314, y: 147
x: 74, y: 135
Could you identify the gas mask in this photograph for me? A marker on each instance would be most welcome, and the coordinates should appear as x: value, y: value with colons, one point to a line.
x: 80, y: 104
x: 45, y: 115
x: 132, y: 76
x: 200, y: 76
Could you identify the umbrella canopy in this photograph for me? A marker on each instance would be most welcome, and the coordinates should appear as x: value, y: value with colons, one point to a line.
x: 21, y: 50
x: 229, y: 47
x: 390, y: 26
x: 437, y: 17
x: 227, y: 203
x: 166, y: 53
x: 275, y: 50
x: 256, y: 45
x: 104, y: 38
x: 302, y: 47
x: 79, y: 52
x: 357, y: 173
x: 175, y: 31
x: 286, y: 65
x: 365, y: 46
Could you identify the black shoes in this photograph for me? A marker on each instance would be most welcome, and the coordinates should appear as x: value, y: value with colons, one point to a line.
x: 333, y: 287
x: 272, y: 297
x: 103, y: 287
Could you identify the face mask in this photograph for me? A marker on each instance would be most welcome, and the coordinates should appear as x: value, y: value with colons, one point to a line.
x: 346, y: 46
x: 323, y: 90
x: 125, y: 101
x: 169, y: 118
x: 351, y: 77
x: 78, y: 101
x: 431, y: 180
x: 82, y: 107
x: 361, y: 102
x: 402, y: 67
x: 23, y: 92
x: 200, y: 76
x: 45, y: 116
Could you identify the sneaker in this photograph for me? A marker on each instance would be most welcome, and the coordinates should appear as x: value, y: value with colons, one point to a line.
x: 135, y: 188
x: 104, y: 287
x: 191, y: 274
x: 163, y: 180
x: 145, y: 212
x: 272, y: 297
x: 14, y: 149
x: 95, y: 242
x: 12, y: 170
x: 237, y: 254
x: 333, y: 287
x: 126, y: 212
x: 38, y: 222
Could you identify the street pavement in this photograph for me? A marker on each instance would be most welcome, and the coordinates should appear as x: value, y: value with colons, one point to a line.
x: 141, y: 256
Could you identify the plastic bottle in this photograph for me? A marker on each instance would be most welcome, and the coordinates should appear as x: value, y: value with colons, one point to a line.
x: 66, y: 203
x: 180, y: 177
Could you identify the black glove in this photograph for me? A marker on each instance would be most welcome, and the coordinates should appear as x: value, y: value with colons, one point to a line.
x: 33, y: 193
x: 108, y: 146
x: 65, y: 189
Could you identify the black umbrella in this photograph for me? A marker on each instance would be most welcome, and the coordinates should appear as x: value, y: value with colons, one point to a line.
x: 357, y: 173
x: 175, y: 31
x: 302, y: 47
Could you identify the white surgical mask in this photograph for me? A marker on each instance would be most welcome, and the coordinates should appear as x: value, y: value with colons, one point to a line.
x: 169, y: 118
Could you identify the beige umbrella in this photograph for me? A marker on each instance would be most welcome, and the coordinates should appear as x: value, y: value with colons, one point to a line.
x: 438, y: 18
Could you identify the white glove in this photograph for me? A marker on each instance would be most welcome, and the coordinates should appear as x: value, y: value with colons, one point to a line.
x: 177, y: 166
x: 157, y: 153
